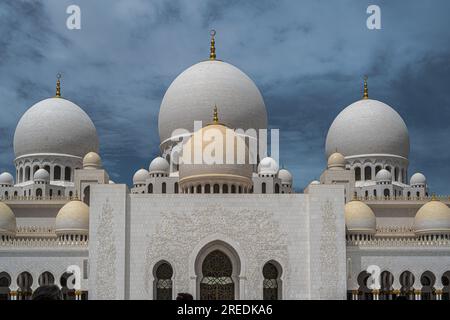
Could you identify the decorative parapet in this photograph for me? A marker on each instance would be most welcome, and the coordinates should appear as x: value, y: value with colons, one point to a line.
x: 398, y: 243
x: 42, y: 243
x: 34, y: 231
x: 444, y: 198
x: 34, y: 198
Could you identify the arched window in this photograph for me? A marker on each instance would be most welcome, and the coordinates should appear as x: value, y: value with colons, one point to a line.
x: 5, y: 283
x: 271, y: 284
x: 367, y: 173
x: 191, y: 189
x: 67, y: 174
x: 150, y: 188
x: 50, y: 193
x: 366, y: 194
x: 199, y: 188
x: 277, y: 188
x: 407, y: 283
x: 175, y: 187
x: 409, y: 194
x: 388, y: 168
x: 225, y: 188
x: 35, y: 168
x: 396, y: 174
x: 68, y: 294
x: 445, y: 279
x: 357, y: 174
x: 386, y: 281
x: 418, y: 194
x: 24, y: 282
x: 240, y: 189
x: 57, y: 173
x: 427, y: 280
x: 27, y: 174
x: 216, y: 188
x: 233, y: 188
x: 216, y: 282
x: 71, y: 194
x: 387, y: 192
x: 207, y: 188
x: 377, y: 168
x: 39, y: 192
x: 46, y: 279
x: 363, y: 290
x: 87, y: 195
x: 21, y: 175
x: 163, y: 281
x: 47, y: 168
x: 59, y: 193
x: 263, y: 187
x: 374, y: 192
x: 163, y: 187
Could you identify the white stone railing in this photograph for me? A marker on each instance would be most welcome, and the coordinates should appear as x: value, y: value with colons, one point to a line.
x: 42, y: 243
x: 34, y: 198
x: 399, y: 242
x: 403, y: 198
x: 33, y: 230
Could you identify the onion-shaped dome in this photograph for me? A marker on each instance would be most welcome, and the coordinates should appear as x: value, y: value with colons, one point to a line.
x: 285, y: 177
x: 55, y: 126
x: 7, y: 220
x: 433, y: 218
x: 359, y: 218
x: 336, y: 161
x: 92, y: 161
x: 159, y: 165
x: 140, y: 177
x: 6, y: 179
x: 368, y: 127
x: 206, y: 160
x: 383, y: 176
x: 41, y: 175
x: 418, y: 179
x: 268, y: 167
x: 73, y: 218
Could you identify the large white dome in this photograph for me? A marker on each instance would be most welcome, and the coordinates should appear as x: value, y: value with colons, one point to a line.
x: 368, y: 127
x: 194, y: 93
x: 55, y: 125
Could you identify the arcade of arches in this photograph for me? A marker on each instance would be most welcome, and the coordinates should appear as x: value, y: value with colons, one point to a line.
x: 424, y: 288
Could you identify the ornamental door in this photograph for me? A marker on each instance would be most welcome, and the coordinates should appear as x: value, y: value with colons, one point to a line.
x: 217, y: 283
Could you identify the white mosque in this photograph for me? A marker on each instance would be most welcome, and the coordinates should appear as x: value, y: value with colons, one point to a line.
x: 220, y: 230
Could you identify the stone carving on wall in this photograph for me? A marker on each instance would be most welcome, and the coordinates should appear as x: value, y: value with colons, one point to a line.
x: 328, y: 253
x: 106, y: 254
x: 255, y: 231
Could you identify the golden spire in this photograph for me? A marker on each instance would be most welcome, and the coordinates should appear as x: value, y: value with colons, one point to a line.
x: 58, y: 86
x: 433, y: 197
x: 216, y: 115
x: 366, y: 90
x: 212, y: 49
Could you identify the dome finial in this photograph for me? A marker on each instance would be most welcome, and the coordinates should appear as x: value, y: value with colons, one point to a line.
x: 366, y: 89
x: 434, y: 197
x: 58, y: 86
x: 212, y: 49
x: 216, y: 115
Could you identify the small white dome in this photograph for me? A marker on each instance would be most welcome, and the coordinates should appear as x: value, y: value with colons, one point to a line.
x: 359, y: 218
x: 383, y: 175
x: 336, y: 161
x: 159, y: 165
x: 73, y: 218
x: 6, y: 179
x: 268, y: 166
x: 111, y: 182
x: 55, y: 125
x: 418, y: 179
x: 140, y: 176
x: 432, y: 218
x: 92, y: 161
x: 41, y: 175
x: 314, y: 182
x: 285, y: 176
x: 7, y: 220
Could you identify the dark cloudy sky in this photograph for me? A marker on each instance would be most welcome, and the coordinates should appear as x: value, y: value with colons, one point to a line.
x: 307, y: 57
